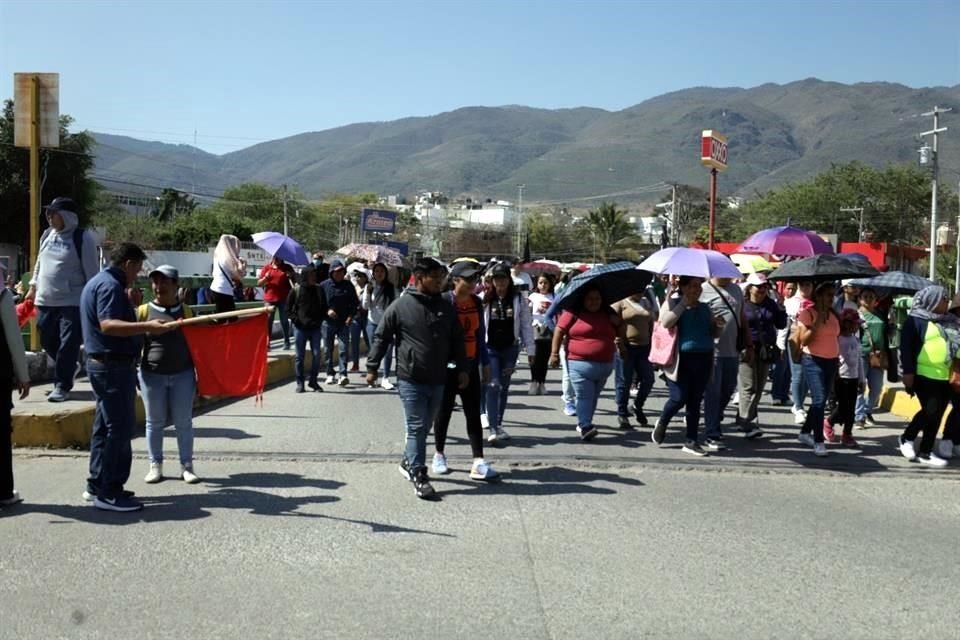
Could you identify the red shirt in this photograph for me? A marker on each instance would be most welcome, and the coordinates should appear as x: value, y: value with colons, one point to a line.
x: 591, y: 335
x: 469, y: 316
x: 277, y: 285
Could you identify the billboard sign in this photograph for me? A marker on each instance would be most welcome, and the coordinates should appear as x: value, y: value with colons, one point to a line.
x: 378, y: 220
x: 713, y: 150
x: 402, y: 247
x: 48, y: 95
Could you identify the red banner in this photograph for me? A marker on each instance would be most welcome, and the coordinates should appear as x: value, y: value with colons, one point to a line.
x: 230, y: 358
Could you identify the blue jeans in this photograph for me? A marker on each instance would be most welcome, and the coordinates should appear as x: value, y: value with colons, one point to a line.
x: 115, y: 387
x: 867, y: 402
x: 780, y: 390
x: 300, y: 339
x: 281, y: 309
x: 566, y: 387
x: 388, y: 357
x: 358, y: 328
x: 819, y: 374
x: 693, y: 374
x: 502, y: 364
x: 61, y: 337
x: 168, y: 399
x: 330, y: 331
x: 637, y: 364
x: 421, y: 402
x: 719, y: 391
x: 798, y: 384
x: 588, y: 379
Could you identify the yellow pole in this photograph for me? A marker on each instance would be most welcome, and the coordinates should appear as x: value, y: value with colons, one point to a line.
x: 34, y: 190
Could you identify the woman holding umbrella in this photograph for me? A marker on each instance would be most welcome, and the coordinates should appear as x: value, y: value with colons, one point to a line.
x: 687, y: 377
x: 588, y: 333
x: 818, y: 330
x: 275, y: 278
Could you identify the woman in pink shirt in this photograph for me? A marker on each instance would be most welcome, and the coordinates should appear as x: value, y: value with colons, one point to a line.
x: 819, y: 332
x: 588, y: 334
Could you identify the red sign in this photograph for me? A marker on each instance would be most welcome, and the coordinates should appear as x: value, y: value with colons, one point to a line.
x: 713, y: 150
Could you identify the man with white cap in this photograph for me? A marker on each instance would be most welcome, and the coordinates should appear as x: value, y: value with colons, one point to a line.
x: 66, y: 260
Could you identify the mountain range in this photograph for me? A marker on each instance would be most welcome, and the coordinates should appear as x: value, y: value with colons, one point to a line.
x: 777, y: 134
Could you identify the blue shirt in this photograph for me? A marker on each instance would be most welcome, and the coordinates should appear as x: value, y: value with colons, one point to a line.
x: 695, y: 329
x: 105, y: 298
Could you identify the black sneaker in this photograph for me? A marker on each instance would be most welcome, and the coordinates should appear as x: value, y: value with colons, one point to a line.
x: 587, y: 433
x: 422, y: 486
x: 694, y: 448
x: 313, y: 384
x: 89, y: 495
x: 753, y: 432
x: 641, y: 418
x: 405, y: 470
x: 714, y: 444
x: 659, y: 433
x: 299, y: 388
x: 117, y: 504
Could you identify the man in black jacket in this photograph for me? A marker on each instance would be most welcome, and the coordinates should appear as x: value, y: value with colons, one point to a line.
x: 423, y: 325
x: 342, y: 304
x: 307, y: 309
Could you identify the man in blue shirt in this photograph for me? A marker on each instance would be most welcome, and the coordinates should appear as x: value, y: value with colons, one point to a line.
x: 111, y: 337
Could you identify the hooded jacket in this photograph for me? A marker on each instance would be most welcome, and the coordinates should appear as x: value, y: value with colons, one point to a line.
x: 427, y: 334
x: 59, y: 274
x: 341, y: 296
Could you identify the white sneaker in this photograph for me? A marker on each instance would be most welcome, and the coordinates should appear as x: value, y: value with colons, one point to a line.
x: 933, y: 460
x: 492, y: 438
x: 344, y: 381
x: 386, y: 384
x: 799, y: 415
x: 187, y: 474
x: 440, y: 464
x: 330, y: 380
x: 484, y: 421
x: 542, y: 389
x: 155, y: 474
x: 820, y: 450
x: 481, y: 470
x: 532, y: 391
x: 807, y: 439
x: 906, y: 448
x: 945, y: 449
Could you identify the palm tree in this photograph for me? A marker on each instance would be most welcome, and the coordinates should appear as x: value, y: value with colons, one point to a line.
x: 609, y: 227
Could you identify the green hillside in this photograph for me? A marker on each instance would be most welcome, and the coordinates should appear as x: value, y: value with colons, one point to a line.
x: 777, y: 133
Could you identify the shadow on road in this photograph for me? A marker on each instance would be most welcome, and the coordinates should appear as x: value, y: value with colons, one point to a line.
x: 539, y: 482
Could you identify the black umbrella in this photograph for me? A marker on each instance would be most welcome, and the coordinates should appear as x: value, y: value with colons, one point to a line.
x: 616, y: 281
x: 894, y: 282
x: 823, y: 267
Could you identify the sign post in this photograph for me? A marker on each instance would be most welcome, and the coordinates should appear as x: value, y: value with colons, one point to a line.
x: 36, y: 123
x: 713, y: 154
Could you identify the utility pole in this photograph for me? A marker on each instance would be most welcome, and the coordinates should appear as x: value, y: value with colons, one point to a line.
x: 285, y: 229
x: 674, y: 218
x: 857, y: 210
x: 956, y: 271
x: 933, y: 184
x: 520, y: 188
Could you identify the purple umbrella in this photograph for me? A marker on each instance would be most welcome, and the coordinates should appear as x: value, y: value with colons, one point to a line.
x: 682, y: 261
x: 785, y: 241
x: 281, y: 246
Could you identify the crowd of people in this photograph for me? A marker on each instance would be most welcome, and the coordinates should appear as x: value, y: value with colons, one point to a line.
x: 459, y: 330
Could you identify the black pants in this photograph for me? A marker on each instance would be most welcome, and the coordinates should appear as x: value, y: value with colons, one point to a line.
x: 934, y: 395
x: 952, y: 429
x: 223, y: 302
x: 846, y: 391
x: 541, y: 358
x: 6, y: 448
x: 470, y: 402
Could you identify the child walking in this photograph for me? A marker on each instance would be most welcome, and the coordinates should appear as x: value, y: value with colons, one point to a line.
x: 850, y: 382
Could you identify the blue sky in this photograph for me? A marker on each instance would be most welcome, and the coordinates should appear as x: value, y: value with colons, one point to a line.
x: 242, y: 72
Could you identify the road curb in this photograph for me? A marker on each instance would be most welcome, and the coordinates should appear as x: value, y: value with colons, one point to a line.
x: 71, y: 428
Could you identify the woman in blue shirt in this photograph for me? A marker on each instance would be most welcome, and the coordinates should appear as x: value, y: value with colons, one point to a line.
x: 688, y: 376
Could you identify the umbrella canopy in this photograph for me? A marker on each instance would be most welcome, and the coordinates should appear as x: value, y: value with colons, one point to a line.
x: 372, y: 253
x: 823, y: 267
x: 281, y: 246
x: 751, y: 263
x: 683, y: 261
x: 616, y: 281
x: 894, y: 282
x: 786, y: 241
x: 543, y: 265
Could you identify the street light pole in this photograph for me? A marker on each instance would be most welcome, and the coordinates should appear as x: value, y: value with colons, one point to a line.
x: 933, y: 198
x: 285, y: 229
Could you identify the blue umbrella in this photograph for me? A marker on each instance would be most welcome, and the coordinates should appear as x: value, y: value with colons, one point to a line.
x: 616, y: 281
x: 281, y: 246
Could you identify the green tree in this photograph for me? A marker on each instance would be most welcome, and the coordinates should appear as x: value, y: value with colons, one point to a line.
x: 172, y: 202
x: 609, y: 228
x: 63, y: 172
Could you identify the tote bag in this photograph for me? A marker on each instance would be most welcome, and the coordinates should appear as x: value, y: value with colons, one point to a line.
x: 663, y: 345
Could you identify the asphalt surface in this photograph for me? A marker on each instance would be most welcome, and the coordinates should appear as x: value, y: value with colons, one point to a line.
x: 303, y: 528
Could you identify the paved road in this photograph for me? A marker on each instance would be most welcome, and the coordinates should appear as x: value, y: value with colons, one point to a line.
x: 304, y: 528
